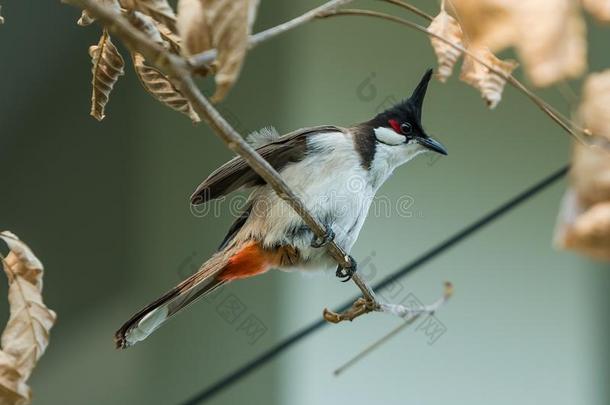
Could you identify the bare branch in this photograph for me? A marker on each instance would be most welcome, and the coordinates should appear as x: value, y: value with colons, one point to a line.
x: 203, y: 59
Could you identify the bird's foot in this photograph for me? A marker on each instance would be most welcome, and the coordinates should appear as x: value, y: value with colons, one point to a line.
x: 346, y: 273
x: 329, y: 236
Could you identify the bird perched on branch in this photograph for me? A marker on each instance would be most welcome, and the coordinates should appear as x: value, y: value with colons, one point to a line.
x: 336, y: 172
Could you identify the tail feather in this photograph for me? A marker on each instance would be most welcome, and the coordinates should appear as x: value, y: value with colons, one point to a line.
x: 237, y: 261
x: 147, y: 320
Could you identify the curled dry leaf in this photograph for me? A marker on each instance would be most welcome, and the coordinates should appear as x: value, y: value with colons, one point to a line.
x: 160, y: 10
x: 221, y: 24
x: 26, y: 335
x: 447, y: 27
x: 489, y: 83
x: 161, y: 88
x: 147, y: 25
x: 108, y: 65
x: 584, y: 218
x: 170, y: 38
x: 549, y: 35
x: 600, y: 9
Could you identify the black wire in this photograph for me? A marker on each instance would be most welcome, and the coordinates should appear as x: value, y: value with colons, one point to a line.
x: 276, y: 350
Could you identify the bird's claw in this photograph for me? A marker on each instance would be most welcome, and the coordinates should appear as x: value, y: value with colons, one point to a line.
x: 346, y: 273
x: 329, y: 236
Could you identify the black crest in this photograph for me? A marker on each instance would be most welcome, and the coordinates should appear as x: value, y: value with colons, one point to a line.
x: 409, y: 109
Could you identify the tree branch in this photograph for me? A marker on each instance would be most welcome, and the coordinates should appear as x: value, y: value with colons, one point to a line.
x: 203, y: 59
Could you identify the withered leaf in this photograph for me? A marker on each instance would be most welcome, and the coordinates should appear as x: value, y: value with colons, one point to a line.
x: 549, y: 35
x: 489, y: 83
x: 589, y: 233
x: 26, y: 335
x: 170, y: 38
x: 221, y: 24
x: 108, y: 65
x: 155, y: 30
x: 161, y: 88
x: 447, y: 27
x: 600, y: 9
x: 13, y: 388
x: 584, y: 218
x: 160, y: 10
x: 147, y: 25
x: 591, y: 167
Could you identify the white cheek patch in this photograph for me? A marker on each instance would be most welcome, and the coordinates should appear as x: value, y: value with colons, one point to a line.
x: 388, y: 136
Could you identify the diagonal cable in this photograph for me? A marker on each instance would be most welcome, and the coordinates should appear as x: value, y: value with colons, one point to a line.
x: 430, y: 254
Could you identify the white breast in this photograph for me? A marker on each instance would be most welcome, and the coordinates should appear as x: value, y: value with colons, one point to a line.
x: 333, y: 185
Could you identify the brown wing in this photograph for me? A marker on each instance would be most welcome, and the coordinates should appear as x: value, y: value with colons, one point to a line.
x: 236, y: 173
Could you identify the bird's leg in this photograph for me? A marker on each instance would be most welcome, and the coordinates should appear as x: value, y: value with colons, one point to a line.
x: 346, y: 273
x: 329, y: 236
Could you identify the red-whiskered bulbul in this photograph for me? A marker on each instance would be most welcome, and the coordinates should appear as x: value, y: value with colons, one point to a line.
x: 335, y: 170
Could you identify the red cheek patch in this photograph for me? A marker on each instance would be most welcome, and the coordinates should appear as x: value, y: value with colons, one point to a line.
x: 395, y: 125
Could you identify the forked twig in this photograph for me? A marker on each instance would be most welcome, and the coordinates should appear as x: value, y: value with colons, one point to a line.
x: 361, y: 307
x: 410, y: 315
x: 203, y: 59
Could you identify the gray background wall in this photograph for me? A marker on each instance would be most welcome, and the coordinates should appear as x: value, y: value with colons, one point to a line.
x: 105, y: 207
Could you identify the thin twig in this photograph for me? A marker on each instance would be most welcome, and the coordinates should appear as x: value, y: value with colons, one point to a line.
x: 411, y: 8
x: 582, y: 135
x: 409, y: 315
x: 203, y: 59
x: 367, y: 350
x: 177, y: 68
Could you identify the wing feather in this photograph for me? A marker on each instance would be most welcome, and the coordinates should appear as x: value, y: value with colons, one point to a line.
x: 237, y: 174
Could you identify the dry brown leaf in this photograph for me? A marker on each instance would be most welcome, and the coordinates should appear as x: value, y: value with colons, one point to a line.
x: 590, y: 232
x: 160, y: 10
x: 584, y: 217
x: 170, y: 38
x: 489, y: 83
x: 600, y: 9
x: 108, y: 65
x: 26, y: 335
x: 147, y: 25
x: 161, y: 88
x: 447, y: 27
x: 221, y: 24
x: 549, y: 35
x: 13, y: 388
x: 591, y: 167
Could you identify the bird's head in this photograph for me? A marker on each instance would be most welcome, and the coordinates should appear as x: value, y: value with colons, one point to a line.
x: 400, y: 126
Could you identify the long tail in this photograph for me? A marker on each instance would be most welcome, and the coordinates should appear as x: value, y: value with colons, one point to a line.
x: 231, y: 263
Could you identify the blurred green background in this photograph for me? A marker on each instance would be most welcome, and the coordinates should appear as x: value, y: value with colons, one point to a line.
x: 105, y: 207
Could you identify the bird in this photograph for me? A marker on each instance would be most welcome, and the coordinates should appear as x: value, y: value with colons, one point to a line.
x: 335, y: 170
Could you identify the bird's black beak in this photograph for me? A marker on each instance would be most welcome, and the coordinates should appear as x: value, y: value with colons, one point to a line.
x: 433, y: 145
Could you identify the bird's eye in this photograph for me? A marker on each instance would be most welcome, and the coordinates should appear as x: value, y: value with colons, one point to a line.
x: 406, y: 128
